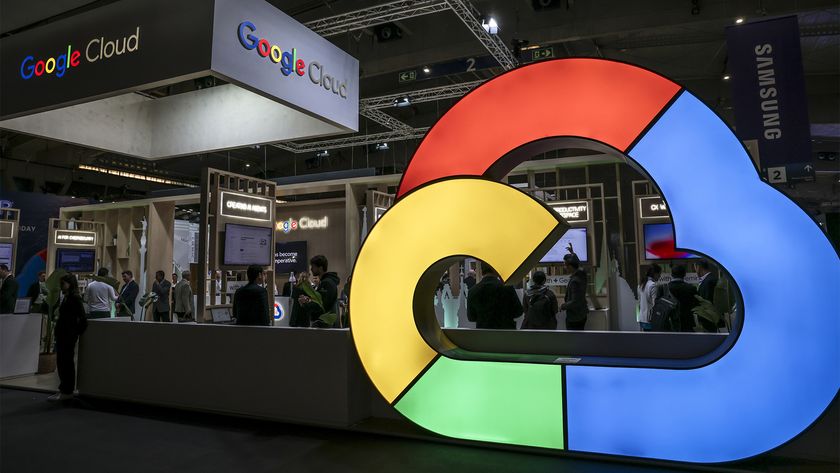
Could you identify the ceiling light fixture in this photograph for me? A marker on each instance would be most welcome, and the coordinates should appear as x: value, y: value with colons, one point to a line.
x: 739, y: 20
x: 490, y: 26
x: 402, y: 102
x: 426, y: 69
x: 726, y: 77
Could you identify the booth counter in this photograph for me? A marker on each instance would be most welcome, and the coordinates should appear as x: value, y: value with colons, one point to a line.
x: 20, y: 337
x: 313, y: 376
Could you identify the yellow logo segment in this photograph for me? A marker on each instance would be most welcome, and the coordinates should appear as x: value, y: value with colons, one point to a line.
x: 460, y: 216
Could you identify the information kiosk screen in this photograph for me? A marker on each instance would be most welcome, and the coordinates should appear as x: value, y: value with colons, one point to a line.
x: 75, y: 260
x: 575, y: 236
x: 6, y: 250
x: 659, y: 242
x: 246, y: 245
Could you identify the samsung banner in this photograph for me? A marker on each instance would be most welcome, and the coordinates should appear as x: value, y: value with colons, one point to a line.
x: 768, y: 88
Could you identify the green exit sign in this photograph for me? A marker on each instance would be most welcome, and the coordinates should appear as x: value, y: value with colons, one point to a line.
x: 542, y: 53
x: 408, y: 76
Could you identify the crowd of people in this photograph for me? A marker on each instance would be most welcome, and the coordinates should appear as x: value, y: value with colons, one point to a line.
x: 493, y: 305
x: 670, y: 307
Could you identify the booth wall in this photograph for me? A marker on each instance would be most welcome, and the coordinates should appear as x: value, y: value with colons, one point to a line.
x: 329, y: 242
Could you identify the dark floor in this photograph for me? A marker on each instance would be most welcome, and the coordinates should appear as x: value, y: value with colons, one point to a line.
x: 91, y: 436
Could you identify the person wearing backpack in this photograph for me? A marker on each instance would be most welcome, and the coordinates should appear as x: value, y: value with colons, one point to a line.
x: 684, y: 293
x: 647, y: 297
x: 540, y: 305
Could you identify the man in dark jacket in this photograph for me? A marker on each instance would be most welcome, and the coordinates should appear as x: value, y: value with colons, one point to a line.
x: 491, y: 304
x: 8, y: 290
x: 250, y: 302
x: 574, y: 302
x: 706, y: 290
x: 128, y: 295
x: 324, y: 316
x: 684, y: 293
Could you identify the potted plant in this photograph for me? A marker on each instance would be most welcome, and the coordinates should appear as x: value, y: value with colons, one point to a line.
x: 46, y: 360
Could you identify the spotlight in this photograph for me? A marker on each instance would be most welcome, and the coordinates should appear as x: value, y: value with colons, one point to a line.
x: 726, y: 77
x: 739, y: 20
x: 247, y: 165
x: 402, y: 102
x: 490, y: 26
x: 426, y: 69
x: 382, y: 146
x: 322, y: 154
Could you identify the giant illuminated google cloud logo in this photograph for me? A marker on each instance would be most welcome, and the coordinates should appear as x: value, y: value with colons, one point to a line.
x: 777, y: 378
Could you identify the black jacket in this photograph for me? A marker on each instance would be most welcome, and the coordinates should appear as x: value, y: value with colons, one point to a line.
x: 684, y: 293
x: 8, y: 295
x: 72, y: 319
x: 298, y: 317
x: 574, y: 302
x: 706, y: 289
x: 328, y: 288
x: 491, y: 304
x: 250, y: 305
x: 128, y: 295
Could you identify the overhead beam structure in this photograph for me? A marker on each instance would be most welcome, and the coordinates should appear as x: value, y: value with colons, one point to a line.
x: 358, y: 140
x: 371, y: 108
x: 376, y: 15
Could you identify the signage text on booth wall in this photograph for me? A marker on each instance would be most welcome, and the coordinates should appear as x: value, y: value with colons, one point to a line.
x: 288, y: 61
x: 97, y: 49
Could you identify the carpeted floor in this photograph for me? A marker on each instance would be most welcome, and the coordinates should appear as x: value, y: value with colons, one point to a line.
x: 92, y: 436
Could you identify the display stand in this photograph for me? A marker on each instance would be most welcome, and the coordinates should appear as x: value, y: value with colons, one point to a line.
x: 228, y: 198
x: 66, y: 234
x: 9, y: 228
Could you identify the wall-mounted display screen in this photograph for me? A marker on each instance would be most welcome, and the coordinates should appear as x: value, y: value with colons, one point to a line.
x: 6, y: 250
x: 246, y: 245
x: 575, y: 236
x: 659, y: 242
x: 75, y: 260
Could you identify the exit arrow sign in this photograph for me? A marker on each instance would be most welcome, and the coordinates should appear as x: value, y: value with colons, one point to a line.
x: 408, y: 76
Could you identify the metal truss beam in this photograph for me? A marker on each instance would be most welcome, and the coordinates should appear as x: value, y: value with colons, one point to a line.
x: 419, y: 96
x: 497, y: 48
x: 383, y: 119
x: 376, y: 15
x: 358, y: 140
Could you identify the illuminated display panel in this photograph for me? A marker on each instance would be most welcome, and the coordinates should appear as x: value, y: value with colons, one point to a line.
x: 777, y: 378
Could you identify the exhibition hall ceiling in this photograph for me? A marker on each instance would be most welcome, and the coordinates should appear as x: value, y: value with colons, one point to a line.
x: 682, y: 40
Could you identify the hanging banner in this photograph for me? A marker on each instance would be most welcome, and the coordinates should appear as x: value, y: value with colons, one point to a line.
x: 768, y: 89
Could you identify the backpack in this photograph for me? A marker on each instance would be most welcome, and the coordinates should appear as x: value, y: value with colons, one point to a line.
x: 665, y: 313
x: 540, y: 314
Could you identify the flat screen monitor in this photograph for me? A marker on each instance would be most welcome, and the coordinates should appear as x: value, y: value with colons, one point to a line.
x: 75, y: 260
x: 6, y: 250
x: 575, y: 236
x: 246, y: 245
x: 659, y: 242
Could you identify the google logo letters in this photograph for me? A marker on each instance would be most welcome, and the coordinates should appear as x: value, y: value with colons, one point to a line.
x: 288, y: 60
x: 96, y: 49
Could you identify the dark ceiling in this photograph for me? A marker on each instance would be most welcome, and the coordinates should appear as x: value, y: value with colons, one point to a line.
x: 663, y: 35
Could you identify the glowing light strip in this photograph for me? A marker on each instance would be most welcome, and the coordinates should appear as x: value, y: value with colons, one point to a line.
x: 131, y: 175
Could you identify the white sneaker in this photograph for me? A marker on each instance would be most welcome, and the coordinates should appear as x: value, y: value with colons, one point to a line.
x: 59, y: 397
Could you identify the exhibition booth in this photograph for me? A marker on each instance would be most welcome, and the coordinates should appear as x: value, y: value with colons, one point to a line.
x: 605, y: 206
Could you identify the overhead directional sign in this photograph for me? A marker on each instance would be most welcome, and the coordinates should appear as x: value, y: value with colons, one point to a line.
x: 542, y: 53
x: 408, y: 76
